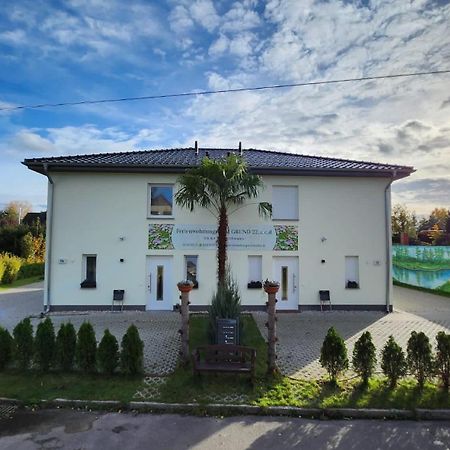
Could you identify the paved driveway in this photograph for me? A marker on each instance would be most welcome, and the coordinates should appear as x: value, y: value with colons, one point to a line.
x: 301, y: 335
x: 158, y: 329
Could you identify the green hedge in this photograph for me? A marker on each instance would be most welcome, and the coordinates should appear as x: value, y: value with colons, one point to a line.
x: 422, y: 289
x: 29, y: 270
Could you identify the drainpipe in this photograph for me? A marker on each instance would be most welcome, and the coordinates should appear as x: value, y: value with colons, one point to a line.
x: 48, y: 239
x: 387, y: 212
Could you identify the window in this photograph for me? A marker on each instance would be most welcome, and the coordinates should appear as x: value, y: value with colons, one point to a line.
x: 285, y: 202
x: 352, y: 272
x: 89, y: 271
x: 191, y: 264
x: 254, y: 272
x: 160, y: 200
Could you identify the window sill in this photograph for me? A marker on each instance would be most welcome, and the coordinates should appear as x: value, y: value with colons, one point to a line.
x: 88, y: 284
x: 161, y: 217
x: 352, y: 288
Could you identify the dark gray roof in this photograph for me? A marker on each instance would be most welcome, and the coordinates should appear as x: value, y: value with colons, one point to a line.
x: 179, y: 159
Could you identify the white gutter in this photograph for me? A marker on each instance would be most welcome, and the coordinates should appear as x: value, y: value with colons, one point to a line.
x: 387, y: 212
x: 48, y: 242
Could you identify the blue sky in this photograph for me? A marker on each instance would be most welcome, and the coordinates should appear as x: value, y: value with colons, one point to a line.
x: 53, y: 51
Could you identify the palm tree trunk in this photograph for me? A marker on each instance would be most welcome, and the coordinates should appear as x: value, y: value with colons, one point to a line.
x: 222, y: 244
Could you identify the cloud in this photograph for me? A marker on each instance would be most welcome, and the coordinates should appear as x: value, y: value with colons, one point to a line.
x: 78, y: 140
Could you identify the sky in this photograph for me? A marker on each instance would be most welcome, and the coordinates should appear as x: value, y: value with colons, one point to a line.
x: 56, y: 51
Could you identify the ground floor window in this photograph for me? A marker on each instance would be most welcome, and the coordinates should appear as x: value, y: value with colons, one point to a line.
x: 191, y: 265
x: 89, y: 271
x: 254, y: 272
x: 352, y: 272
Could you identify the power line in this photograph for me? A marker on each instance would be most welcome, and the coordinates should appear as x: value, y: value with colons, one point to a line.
x: 224, y: 91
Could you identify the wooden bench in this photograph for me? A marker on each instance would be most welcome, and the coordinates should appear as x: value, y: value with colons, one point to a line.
x: 224, y: 359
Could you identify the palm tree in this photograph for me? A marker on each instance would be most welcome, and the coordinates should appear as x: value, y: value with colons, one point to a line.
x: 222, y: 186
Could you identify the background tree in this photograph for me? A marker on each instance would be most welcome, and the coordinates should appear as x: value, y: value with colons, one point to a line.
x: 222, y: 186
x: 403, y: 221
x: 15, y: 211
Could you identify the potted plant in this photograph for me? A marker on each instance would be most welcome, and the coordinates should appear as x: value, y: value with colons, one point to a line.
x: 185, y: 285
x: 271, y: 286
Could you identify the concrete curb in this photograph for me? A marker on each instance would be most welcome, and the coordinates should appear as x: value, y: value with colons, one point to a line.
x: 221, y: 409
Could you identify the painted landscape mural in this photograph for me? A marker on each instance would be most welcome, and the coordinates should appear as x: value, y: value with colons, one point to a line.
x: 423, y: 266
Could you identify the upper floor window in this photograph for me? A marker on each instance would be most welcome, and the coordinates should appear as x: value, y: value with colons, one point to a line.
x: 285, y: 202
x: 160, y: 200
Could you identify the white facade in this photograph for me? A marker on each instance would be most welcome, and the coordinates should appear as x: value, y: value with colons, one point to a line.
x: 106, y: 215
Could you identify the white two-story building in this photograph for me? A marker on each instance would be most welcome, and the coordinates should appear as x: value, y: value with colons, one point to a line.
x: 113, y: 224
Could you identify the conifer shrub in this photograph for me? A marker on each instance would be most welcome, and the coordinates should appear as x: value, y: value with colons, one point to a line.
x: 6, y: 343
x: 420, y: 358
x: 44, y: 344
x: 442, y: 361
x: 393, y: 361
x: 66, y: 342
x: 333, y: 354
x: 108, y: 353
x: 86, y: 349
x: 23, y: 343
x: 364, y: 357
x: 132, y: 352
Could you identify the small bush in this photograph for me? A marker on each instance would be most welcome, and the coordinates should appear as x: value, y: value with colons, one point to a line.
x: 23, y: 343
x: 5, y: 347
x: 86, y: 350
x: 44, y: 344
x: 108, y: 353
x: 11, y: 268
x: 132, y: 352
x: 443, y: 358
x: 26, y: 246
x: 2, y: 267
x: 393, y: 361
x: 66, y: 342
x: 364, y: 357
x: 333, y: 354
x: 420, y: 358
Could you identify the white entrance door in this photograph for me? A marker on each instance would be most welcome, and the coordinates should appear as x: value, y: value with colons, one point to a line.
x: 160, y: 283
x: 285, y: 271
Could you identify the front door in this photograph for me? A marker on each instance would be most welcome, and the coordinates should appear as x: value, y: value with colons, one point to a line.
x: 160, y: 283
x: 285, y: 271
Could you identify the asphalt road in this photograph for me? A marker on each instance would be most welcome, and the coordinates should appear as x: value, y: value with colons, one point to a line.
x: 68, y: 429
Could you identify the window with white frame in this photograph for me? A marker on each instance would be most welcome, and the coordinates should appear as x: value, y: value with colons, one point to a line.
x: 191, y: 265
x: 89, y: 271
x: 254, y: 272
x: 285, y: 202
x: 160, y: 200
x: 352, y: 272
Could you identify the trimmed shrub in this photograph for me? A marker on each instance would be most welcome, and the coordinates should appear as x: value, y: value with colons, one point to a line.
x: 364, y: 357
x: 6, y: 343
x: 108, y: 353
x: 2, y: 267
x: 442, y: 362
x: 23, y: 343
x: 420, y: 358
x: 86, y: 350
x: 132, y: 352
x: 66, y: 343
x: 26, y: 246
x: 333, y: 354
x: 11, y: 268
x: 393, y: 361
x: 44, y: 344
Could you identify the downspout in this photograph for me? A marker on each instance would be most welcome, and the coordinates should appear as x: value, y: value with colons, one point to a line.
x: 48, y: 239
x: 387, y: 212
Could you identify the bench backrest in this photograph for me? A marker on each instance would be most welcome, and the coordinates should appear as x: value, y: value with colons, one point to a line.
x: 227, y: 353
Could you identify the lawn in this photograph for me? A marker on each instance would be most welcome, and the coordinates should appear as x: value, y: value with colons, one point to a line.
x: 32, y: 386
x: 21, y: 282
